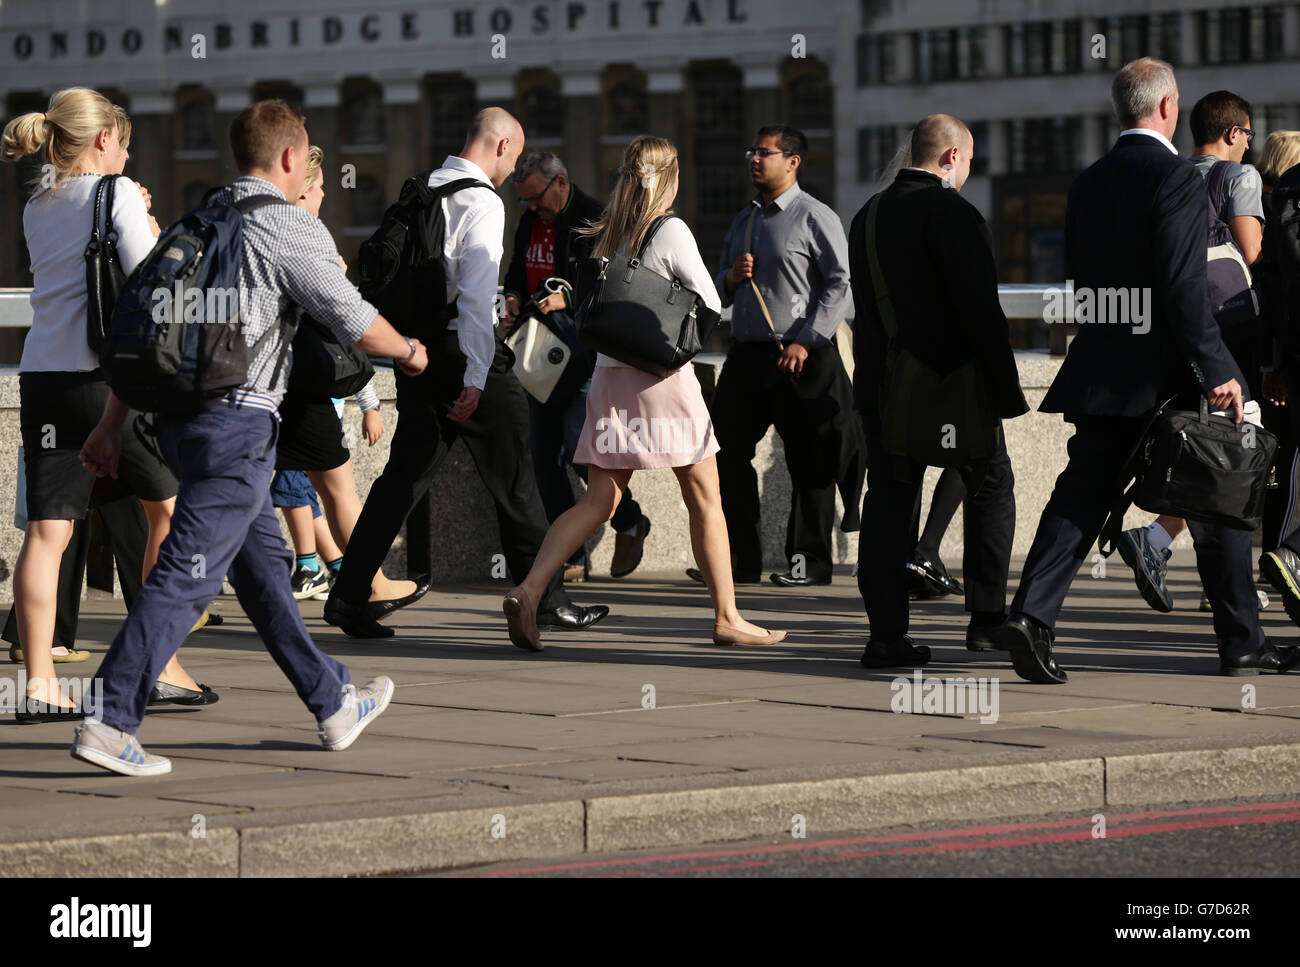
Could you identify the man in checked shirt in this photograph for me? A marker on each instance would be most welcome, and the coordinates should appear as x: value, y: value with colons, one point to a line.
x: 225, y: 456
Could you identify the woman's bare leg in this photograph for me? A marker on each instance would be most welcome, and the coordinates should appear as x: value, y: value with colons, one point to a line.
x: 337, y: 489
x: 574, y: 526
x: 36, y: 579
x: 699, y: 483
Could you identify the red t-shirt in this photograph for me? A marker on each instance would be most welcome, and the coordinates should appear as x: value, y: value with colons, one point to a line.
x: 539, y: 258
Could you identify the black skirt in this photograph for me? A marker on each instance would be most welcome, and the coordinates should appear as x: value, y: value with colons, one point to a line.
x: 311, y: 437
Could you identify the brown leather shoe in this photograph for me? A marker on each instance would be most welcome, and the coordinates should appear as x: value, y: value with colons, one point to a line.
x: 521, y: 619
x: 628, y: 549
x: 575, y: 573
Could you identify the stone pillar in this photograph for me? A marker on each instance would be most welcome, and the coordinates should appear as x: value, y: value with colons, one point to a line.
x: 995, y: 51
x: 321, y: 101
x: 402, y: 124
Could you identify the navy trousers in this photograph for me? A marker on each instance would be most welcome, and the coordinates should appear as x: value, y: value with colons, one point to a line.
x: 224, y: 458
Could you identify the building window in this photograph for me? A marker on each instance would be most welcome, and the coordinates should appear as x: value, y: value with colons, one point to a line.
x: 363, y: 113
x: 1043, y: 144
x: 543, y: 111
x: 876, y: 64
x: 451, y: 111
x: 285, y: 91
x: 197, y: 125
x: 721, y: 183
x: 979, y: 131
x: 368, y: 202
x: 1046, y: 47
x: 876, y: 148
x: 811, y: 102
x: 1237, y: 35
x: 970, y: 45
x: 628, y: 109
x: 1169, y: 30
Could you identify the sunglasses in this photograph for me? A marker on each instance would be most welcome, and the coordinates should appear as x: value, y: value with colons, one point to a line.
x: 763, y: 153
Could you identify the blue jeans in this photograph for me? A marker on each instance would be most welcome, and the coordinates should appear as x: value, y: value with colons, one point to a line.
x: 223, y: 521
x: 554, y: 432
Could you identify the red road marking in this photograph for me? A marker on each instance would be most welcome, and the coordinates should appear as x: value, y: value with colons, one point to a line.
x: 950, y: 833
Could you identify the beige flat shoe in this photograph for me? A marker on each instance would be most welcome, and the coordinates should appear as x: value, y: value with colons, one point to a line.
x: 521, y: 619
x: 69, y: 656
x: 740, y: 639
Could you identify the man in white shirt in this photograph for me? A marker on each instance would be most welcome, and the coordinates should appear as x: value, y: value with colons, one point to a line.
x: 468, y: 391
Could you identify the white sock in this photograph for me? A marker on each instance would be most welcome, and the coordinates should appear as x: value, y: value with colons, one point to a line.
x: 1157, y: 536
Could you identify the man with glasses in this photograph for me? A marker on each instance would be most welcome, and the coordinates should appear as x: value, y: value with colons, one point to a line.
x: 548, y: 246
x: 1220, y: 126
x: 785, y: 273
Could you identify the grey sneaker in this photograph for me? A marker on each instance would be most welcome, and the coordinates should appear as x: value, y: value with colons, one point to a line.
x: 109, y: 748
x: 361, y: 706
x: 1149, y: 567
x: 306, y: 582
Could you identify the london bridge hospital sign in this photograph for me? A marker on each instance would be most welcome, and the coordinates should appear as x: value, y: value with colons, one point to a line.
x: 359, y: 30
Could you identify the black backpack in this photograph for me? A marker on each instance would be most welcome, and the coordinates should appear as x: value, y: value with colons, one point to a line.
x: 400, y: 266
x: 176, y: 342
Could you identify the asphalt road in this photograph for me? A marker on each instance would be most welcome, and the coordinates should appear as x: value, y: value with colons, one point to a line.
x: 1255, y: 838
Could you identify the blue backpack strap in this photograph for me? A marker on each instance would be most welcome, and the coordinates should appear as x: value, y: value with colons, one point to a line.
x: 1216, y: 193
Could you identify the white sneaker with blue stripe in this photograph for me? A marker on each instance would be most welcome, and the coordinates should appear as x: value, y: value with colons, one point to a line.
x: 117, y: 751
x: 361, y: 706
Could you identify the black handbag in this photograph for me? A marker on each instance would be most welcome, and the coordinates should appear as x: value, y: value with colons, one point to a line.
x: 1200, y: 467
x: 323, y: 367
x: 104, y: 275
x: 638, y: 316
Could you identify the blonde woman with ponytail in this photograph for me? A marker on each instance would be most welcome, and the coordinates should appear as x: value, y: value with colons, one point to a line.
x: 623, y: 398
x: 82, y: 137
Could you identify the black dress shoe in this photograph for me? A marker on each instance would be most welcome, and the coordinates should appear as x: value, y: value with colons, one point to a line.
x: 164, y: 694
x: 1267, y: 660
x: 377, y: 609
x: 571, y: 617
x: 32, y: 711
x: 787, y: 580
x: 983, y: 638
x: 1030, y: 644
x: 695, y: 574
x: 902, y: 653
x: 353, y: 619
x: 934, y: 577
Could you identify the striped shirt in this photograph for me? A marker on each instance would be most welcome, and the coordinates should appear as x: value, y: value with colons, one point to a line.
x: 289, y: 259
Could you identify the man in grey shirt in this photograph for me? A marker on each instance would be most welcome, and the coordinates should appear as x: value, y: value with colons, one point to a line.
x: 784, y: 271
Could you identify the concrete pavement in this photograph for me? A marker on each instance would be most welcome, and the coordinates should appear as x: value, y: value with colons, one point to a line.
x: 640, y: 733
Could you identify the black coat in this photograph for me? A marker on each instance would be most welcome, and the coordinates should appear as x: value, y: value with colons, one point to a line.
x: 936, y: 256
x: 1137, y: 220
x: 570, y: 248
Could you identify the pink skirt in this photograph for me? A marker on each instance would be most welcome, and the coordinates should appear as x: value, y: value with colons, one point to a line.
x: 637, y: 421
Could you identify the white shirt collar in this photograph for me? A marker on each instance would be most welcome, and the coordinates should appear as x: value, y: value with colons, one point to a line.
x: 1152, y: 134
x: 469, y: 167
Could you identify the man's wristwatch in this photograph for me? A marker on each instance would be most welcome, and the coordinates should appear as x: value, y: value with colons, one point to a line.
x: 410, y: 342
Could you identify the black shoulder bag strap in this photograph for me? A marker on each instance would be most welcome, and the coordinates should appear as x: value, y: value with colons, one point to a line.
x: 650, y: 233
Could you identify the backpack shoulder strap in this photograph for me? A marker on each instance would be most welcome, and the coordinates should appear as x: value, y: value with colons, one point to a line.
x: 253, y: 202
x: 451, y: 187
x: 1216, y: 192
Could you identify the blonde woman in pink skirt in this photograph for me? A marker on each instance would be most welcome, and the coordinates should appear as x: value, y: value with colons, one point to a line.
x: 638, y: 421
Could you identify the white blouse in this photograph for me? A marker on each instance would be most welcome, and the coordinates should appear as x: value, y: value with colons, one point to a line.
x: 673, y: 252
x: 57, y: 225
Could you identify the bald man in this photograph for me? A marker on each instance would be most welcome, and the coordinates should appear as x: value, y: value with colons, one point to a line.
x: 933, y: 253
x: 468, y: 391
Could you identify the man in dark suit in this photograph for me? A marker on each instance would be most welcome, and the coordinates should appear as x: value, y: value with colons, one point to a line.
x: 936, y: 261
x: 549, y: 245
x: 1136, y: 223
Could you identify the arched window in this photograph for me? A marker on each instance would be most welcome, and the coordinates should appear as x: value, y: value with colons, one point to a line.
x: 543, y: 111
x: 197, y: 132
x: 368, y: 201
x: 285, y: 91
x: 628, y: 108
x: 363, y: 112
x: 811, y: 103
x: 451, y: 109
x: 720, y: 185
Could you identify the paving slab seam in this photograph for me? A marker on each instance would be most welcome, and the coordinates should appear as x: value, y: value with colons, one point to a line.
x: 458, y: 838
